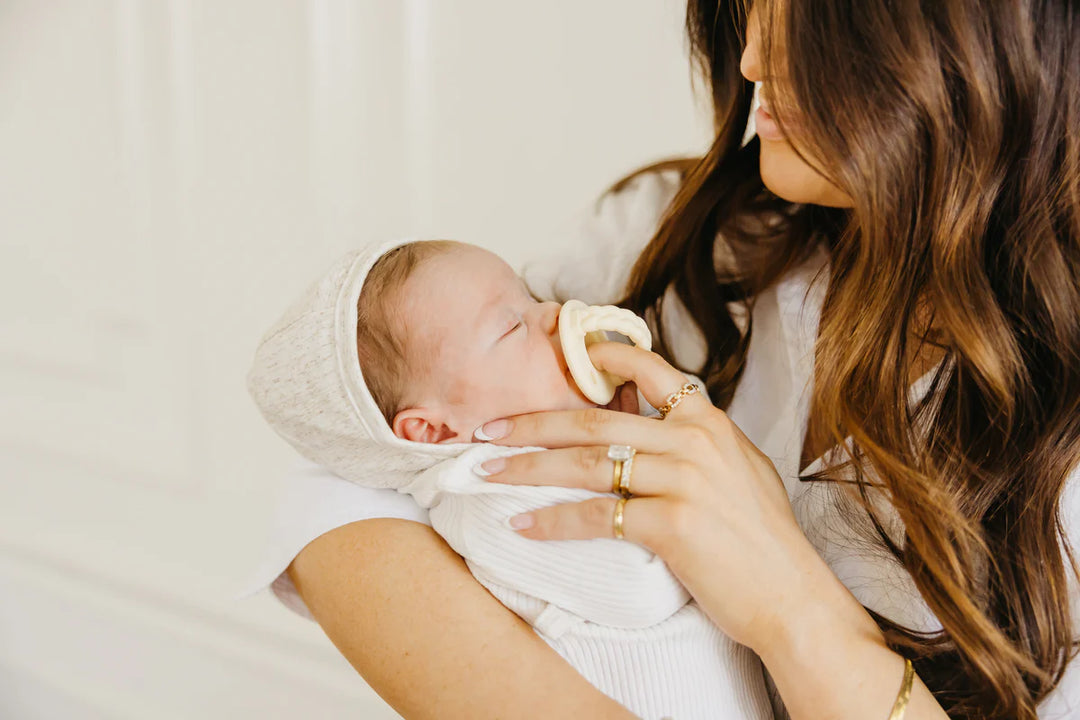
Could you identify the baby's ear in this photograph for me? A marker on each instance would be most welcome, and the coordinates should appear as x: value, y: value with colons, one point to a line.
x: 421, y: 425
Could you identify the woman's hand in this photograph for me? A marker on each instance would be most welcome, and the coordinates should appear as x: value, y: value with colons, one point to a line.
x: 705, y: 499
x: 713, y: 507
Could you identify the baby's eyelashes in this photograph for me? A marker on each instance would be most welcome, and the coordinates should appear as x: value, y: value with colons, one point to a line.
x: 512, y: 330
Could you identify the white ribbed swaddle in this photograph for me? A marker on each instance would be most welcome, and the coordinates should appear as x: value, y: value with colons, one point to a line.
x: 611, y: 608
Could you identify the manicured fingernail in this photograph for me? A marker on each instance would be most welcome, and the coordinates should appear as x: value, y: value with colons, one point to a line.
x: 521, y: 522
x: 486, y: 469
x: 492, y: 430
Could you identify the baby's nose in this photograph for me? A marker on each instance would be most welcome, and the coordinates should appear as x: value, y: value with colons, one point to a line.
x: 549, y: 324
x: 549, y: 318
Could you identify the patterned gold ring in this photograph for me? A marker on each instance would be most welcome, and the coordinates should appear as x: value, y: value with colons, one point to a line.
x: 677, y: 397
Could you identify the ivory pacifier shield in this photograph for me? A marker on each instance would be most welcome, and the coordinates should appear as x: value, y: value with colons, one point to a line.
x: 581, y: 325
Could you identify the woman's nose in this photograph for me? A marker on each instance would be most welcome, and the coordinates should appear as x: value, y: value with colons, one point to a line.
x: 750, y: 64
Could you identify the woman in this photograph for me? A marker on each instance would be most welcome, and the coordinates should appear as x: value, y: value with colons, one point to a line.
x: 916, y: 185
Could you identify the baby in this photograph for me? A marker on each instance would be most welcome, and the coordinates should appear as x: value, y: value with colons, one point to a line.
x: 383, y: 371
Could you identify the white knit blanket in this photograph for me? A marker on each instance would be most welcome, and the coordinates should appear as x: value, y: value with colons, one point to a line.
x: 610, y: 607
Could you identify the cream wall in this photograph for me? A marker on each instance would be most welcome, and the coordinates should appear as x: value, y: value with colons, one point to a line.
x: 171, y: 173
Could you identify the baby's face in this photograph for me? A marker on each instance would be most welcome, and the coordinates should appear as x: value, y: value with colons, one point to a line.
x: 490, y: 349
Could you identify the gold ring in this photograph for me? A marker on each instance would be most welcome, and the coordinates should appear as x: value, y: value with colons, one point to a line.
x: 625, y: 472
x: 619, y: 454
x: 677, y: 397
x: 617, y: 520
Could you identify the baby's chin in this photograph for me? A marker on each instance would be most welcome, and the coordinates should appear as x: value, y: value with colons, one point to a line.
x: 625, y: 400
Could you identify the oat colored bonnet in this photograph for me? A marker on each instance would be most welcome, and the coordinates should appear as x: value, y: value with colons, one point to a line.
x: 307, y: 382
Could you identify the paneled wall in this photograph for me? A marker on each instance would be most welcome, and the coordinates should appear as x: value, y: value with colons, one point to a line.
x: 172, y: 172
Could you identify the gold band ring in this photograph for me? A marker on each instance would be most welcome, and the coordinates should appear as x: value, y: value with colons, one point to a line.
x: 617, y: 520
x: 677, y: 397
x: 616, y: 477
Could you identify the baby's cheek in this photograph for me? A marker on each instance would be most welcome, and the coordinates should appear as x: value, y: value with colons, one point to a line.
x: 562, y: 393
x: 481, y: 390
x: 519, y: 388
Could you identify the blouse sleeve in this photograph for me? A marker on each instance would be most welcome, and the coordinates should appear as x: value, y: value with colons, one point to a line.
x: 312, y: 501
x: 1064, y: 702
x: 593, y: 262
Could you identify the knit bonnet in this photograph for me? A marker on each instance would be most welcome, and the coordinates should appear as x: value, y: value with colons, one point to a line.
x: 307, y: 382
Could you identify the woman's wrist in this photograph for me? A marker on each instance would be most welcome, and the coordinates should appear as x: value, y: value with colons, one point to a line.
x: 828, y: 658
x: 816, y: 611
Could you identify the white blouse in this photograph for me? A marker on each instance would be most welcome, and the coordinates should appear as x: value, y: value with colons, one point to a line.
x: 770, y: 405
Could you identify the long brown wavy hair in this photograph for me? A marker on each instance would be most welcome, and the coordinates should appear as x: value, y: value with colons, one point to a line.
x: 955, y: 128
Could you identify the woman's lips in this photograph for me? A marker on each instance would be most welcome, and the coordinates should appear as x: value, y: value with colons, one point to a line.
x: 767, y: 128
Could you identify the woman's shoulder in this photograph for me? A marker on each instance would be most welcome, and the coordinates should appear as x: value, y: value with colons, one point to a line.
x: 310, y: 502
x: 1064, y: 700
x: 592, y: 262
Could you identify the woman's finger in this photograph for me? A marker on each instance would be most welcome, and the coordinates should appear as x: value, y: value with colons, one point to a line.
x: 642, y: 518
x: 569, y: 428
x: 590, y: 468
x: 655, y: 377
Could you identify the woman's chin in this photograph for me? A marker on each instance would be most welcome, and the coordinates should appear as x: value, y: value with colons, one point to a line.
x: 787, y: 175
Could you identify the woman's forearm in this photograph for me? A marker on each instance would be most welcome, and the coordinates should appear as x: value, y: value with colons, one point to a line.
x: 830, y: 661
x: 406, y: 612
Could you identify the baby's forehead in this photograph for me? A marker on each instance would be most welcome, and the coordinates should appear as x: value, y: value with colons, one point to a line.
x: 478, y: 258
x: 465, y: 272
x: 451, y: 296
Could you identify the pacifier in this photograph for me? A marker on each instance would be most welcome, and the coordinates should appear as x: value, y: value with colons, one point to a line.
x: 580, y: 326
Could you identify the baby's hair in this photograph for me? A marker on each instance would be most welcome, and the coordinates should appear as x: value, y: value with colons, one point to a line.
x: 380, y: 345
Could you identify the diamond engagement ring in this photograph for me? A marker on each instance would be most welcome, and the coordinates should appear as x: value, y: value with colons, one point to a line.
x: 624, y: 476
x: 623, y: 457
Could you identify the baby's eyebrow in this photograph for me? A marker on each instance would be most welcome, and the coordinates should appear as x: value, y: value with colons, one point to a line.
x: 484, y: 315
x: 525, y: 287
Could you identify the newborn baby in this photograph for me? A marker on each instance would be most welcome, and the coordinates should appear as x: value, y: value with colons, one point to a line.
x: 382, y: 373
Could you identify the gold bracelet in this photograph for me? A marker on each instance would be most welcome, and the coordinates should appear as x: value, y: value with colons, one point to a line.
x: 900, y: 706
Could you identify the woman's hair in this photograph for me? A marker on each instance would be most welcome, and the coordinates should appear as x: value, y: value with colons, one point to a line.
x: 380, y: 330
x: 955, y: 129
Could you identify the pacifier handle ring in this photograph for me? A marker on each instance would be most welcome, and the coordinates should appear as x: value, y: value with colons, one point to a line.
x: 616, y: 322
x: 581, y: 325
